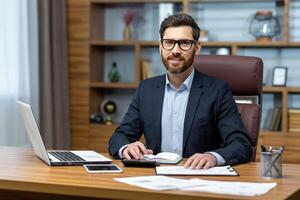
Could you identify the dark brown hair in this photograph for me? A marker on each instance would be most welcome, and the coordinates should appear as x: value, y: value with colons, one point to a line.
x: 180, y: 19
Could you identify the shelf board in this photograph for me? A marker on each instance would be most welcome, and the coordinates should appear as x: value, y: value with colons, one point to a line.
x: 113, y: 85
x: 237, y: 44
x: 252, y: 44
x: 267, y: 44
x: 293, y: 89
x: 113, y: 42
x: 278, y: 133
x: 239, y: 1
x: 134, y: 1
x: 149, y: 43
x: 271, y: 89
x: 247, y: 44
x: 275, y: 89
x: 101, y: 126
x: 175, y: 1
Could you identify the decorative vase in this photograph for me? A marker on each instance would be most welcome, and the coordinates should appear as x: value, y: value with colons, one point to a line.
x: 114, y: 75
x: 127, y: 32
x: 264, y: 26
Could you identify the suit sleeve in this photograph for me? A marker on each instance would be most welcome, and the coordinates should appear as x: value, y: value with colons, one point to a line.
x: 130, y: 130
x: 236, y: 148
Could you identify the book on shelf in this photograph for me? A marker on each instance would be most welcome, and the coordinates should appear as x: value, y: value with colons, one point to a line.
x: 277, y: 120
x: 273, y: 119
x: 146, y: 69
x: 268, y: 119
x: 164, y: 158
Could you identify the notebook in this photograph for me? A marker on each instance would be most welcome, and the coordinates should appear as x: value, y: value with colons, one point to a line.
x: 55, y: 157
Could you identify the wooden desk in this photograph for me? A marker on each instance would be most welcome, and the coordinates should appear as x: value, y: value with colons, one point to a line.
x: 24, y: 176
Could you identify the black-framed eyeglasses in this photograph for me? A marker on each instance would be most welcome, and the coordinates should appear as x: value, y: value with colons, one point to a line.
x: 169, y: 44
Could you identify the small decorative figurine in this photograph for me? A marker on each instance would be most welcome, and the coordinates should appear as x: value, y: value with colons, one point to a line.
x: 114, y: 75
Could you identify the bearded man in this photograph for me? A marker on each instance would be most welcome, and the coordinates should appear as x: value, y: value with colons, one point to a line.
x: 183, y: 111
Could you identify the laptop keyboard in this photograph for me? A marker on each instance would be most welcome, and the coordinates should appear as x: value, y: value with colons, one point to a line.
x: 66, y: 156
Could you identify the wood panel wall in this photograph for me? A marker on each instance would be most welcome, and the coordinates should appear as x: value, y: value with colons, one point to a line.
x: 78, y: 56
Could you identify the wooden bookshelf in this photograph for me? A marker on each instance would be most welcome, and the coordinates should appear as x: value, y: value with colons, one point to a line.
x: 88, y: 46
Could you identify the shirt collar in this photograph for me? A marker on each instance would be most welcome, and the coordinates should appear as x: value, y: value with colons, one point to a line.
x: 187, y: 83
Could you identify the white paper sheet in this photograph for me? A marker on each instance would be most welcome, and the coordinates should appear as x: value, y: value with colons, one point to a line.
x: 180, y: 170
x: 158, y: 182
x: 199, y: 185
x: 231, y: 188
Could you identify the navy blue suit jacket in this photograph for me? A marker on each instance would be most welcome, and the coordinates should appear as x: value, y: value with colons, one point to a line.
x: 212, y: 121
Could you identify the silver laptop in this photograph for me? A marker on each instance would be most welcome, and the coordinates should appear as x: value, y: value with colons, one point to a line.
x: 56, y: 157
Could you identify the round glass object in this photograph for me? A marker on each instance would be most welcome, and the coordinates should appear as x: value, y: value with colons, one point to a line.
x: 264, y: 26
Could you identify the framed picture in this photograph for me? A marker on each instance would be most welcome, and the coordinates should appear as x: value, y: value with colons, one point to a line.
x: 279, y: 76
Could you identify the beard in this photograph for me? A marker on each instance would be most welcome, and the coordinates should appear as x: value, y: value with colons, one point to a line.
x: 177, y: 68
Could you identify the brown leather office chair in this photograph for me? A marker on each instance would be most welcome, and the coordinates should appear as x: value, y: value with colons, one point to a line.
x: 244, y: 76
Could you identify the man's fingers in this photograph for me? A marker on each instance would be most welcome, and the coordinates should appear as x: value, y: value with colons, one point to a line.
x: 202, y: 162
x: 138, y: 154
x: 125, y: 154
x: 207, y: 165
x: 141, y: 146
x: 132, y: 151
x: 148, y: 151
x: 136, y: 150
x: 188, y: 162
x: 194, y: 163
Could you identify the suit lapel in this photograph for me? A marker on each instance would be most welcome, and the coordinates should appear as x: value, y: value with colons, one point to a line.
x: 158, y: 99
x: 194, y: 97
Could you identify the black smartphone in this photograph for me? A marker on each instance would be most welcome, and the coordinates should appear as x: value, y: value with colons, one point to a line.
x: 102, y: 168
x: 139, y: 163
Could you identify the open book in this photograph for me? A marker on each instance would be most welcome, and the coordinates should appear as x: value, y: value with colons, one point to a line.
x: 164, y: 158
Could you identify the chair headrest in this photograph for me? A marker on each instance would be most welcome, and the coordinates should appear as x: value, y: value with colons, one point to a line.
x: 242, y: 73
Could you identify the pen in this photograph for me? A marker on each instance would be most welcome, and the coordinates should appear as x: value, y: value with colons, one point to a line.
x: 263, y: 148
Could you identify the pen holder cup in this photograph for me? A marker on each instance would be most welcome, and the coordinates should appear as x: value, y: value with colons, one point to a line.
x: 270, y: 164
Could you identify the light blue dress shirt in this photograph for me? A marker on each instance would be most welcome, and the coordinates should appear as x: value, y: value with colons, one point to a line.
x: 173, y: 115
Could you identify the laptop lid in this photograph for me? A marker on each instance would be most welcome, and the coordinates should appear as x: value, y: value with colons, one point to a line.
x: 39, y: 148
x: 33, y: 132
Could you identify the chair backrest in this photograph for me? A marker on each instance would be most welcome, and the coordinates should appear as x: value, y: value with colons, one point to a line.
x: 244, y: 76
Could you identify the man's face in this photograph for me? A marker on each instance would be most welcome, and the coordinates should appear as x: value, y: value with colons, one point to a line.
x: 177, y: 60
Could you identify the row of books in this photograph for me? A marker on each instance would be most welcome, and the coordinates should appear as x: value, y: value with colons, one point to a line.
x: 294, y: 120
x: 273, y: 119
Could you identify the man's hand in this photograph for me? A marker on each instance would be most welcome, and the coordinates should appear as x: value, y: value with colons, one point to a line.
x: 201, y: 161
x: 136, y: 150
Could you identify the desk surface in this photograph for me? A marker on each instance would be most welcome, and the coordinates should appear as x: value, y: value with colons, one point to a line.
x: 22, y: 171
